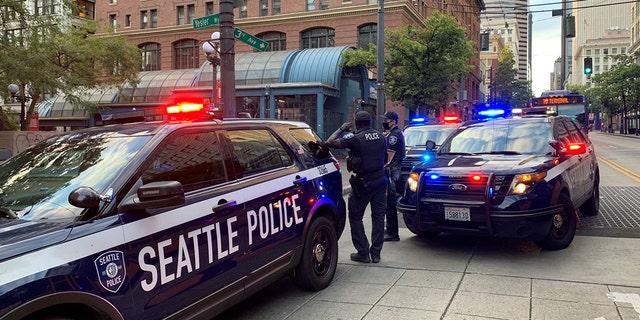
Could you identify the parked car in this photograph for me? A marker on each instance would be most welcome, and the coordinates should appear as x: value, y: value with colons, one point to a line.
x: 165, y: 219
x: 521, y: 178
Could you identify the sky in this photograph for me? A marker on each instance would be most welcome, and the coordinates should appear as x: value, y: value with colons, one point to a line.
x: 545, y: 46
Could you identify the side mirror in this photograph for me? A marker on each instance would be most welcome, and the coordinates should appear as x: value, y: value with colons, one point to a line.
x: 84, y: 197
x: 319, y: 149
x: 431, y: 145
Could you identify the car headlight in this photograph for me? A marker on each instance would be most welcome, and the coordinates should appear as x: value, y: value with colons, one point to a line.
x: 412, y: 182
x: 523, y: 183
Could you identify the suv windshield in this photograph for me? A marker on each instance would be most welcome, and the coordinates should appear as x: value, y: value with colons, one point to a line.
x: 504, y: 138
x: 418, y: 136
x: 36, y: 183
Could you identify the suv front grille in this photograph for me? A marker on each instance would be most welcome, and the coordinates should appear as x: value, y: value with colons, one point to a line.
x: 463, y: 188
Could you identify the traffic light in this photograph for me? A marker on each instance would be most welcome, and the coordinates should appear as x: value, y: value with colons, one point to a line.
x: 588, y: 65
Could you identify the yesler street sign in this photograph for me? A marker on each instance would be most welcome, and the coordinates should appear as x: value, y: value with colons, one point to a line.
x: 250, y: 39
x: 210, y: 20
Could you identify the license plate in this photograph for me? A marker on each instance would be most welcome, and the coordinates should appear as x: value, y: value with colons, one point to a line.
x: 457, y: 214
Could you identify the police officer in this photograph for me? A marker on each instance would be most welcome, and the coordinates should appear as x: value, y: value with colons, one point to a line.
x: 395, y: 154
x: 367, y: 156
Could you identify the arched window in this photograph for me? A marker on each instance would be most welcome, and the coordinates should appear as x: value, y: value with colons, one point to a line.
x: 185, y: 54
x: 367, y: 35
x: 317, y: 38
x: 150, y: 56
x: 277, y: 40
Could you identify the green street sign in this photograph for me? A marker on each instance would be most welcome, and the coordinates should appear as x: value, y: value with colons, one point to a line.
x: 250, y: 39
x: 210, y: 20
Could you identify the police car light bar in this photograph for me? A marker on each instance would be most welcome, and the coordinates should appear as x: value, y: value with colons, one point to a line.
x: 185, y: 107
x: 491, y: 112
x: 451, y: 118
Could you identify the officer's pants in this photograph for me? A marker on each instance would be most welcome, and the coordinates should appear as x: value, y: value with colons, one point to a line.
x: 376, y: 195
x: 392, y: 211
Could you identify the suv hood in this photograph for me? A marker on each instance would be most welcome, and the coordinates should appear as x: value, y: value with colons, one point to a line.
x: 22, y: 236
x: 494, y: 163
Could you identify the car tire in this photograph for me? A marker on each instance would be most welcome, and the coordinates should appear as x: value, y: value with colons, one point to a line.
x: 421, y: 234
x: 319, y: 256
x: 592, y: 206
x: 563, y: 226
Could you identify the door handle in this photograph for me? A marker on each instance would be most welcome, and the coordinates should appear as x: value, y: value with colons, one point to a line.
x: 299, y: 180
x: 224, y: 205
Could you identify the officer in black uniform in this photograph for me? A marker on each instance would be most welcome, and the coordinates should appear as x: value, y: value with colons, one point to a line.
x: 367, y: 156
x: 395, y: 154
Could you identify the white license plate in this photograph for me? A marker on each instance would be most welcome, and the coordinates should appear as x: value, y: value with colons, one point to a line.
x: 457, y: 214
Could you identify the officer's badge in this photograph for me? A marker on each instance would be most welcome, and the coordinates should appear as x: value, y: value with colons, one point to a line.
x: 111, y: 270
x: 393, y: 140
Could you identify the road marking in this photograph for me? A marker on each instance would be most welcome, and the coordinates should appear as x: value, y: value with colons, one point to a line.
x: 632, y: 298
x: 620, y: 168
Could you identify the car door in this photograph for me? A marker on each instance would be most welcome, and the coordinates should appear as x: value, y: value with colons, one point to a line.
x: 187, y: 255
x: 278, y: 200
x: 586, y: 160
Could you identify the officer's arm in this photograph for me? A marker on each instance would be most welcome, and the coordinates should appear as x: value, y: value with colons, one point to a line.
x: 334, y: 140
x: 390, y: 154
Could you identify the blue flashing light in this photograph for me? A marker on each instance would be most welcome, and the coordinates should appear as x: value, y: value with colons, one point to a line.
x: 426, y: 157
x: 434, y: 176
x: 491, y: 192
x: 418, y: 120
x: 491, y: 113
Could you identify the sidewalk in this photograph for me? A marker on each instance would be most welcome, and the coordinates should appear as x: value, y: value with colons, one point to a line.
x: 455, y: 277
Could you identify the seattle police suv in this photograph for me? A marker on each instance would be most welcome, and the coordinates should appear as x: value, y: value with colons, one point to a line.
x: 416, y: 136
x: 165, y: 219
x: 521, y: 178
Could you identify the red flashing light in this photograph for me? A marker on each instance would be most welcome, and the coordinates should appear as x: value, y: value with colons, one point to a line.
x: 476, y: 177
x: 185, y: 107
x: 577, y: 148
x: 451, y: 119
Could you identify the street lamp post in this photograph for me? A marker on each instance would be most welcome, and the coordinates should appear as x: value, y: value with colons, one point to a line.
x: 14, y: 89
x: 212, y: 53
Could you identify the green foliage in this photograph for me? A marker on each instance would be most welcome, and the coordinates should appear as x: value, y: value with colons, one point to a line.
x: 423, y: 65
x: 505, y: 87
x: 55, y: 57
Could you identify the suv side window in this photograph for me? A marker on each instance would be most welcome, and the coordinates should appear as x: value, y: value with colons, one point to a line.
x: 562, y: 135
x: 194, y: 159
x: 575, y: 134
x: 257, y: 151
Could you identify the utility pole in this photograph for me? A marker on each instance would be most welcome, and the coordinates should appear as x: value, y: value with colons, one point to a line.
x: 380, y: 102
x: 227, y: 60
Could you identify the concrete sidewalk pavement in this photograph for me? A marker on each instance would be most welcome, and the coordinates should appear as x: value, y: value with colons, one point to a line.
x: 457, y: 277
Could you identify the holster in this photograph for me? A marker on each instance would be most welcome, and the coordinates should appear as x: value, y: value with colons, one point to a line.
x: 358, y: 185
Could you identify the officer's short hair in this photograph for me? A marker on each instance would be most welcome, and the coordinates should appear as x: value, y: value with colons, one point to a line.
x: 362, y: 119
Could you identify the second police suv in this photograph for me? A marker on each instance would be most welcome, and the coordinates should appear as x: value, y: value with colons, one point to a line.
x: 521, y: 178
x: 165, y: 219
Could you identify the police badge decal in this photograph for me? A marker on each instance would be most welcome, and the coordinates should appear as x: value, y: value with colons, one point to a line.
x: 111, y: 270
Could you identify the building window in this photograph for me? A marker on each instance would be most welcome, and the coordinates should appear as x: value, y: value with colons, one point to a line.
x: 367, y: 35
x: 605, y: 51
x: 112, y: 20
x: 150, y: 56
x: 264, y: 8
x: 243, y: 8
x: 44, y: 7
x: 208, y: 8
x: 311, y: 5
x: 596, y: 60
x: 186, y: 55
x: 113, y: 1
x: 143, y: 19
x: 191, y: 12
x: 605, y: 68
x: 127, y: 20
x: 275, y: 7
x: 317, y: 38
x: 84, y: 9
x: 597, y: 51
x: 623, y: 50
x: 277, y: 41
x: 154, y: 18
x: 614, y: 50
x: 588, y: 52
x: 324, y: 4
x: 180, y: 17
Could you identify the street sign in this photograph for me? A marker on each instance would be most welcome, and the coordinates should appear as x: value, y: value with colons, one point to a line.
x: 250, y: 39
x: 210, y: 20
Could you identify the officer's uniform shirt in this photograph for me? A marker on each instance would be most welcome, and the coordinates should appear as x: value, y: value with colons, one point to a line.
x: 395, y: 142
x: 368, y: 144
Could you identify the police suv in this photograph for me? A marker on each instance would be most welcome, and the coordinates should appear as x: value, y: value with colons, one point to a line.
x: 165, y: 219
x: 521, y: 178
x: 416, y: 136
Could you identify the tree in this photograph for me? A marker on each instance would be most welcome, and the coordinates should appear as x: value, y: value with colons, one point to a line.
x: 47, y: 54
x: 506, y: 88
x: 423, y: 65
